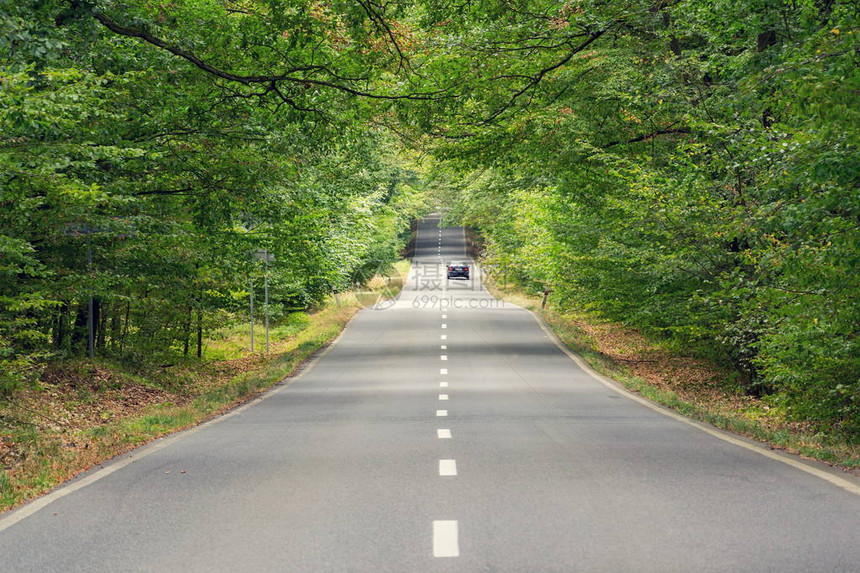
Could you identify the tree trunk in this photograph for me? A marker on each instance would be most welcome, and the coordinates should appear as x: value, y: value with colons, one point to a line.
x: 186, y: 333
x: 199, y: 333
x: 79, y: 330
x: 125, y: 327
x: 61, y: 328
x: 115, y: 328
x: 101, y: 325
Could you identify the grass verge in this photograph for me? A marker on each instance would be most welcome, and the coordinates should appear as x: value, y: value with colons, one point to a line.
x: 691, y: 386
x: 84, y: 413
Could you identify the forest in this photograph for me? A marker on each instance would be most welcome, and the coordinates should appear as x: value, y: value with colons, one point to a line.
x: 686, y: 167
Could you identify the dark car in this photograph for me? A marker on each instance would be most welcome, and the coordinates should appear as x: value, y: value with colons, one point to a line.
x: 460, y: 269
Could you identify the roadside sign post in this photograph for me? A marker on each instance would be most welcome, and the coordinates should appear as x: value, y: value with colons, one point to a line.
x: 267, y: 257
x: 251, y: 290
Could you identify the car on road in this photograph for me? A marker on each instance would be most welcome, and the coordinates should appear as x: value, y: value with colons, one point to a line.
x: 458, y: 269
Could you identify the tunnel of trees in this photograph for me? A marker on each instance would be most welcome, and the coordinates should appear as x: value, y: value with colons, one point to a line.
x: 687, y: 167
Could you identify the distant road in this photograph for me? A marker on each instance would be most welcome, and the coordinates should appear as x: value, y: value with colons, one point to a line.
x: 444, y: 432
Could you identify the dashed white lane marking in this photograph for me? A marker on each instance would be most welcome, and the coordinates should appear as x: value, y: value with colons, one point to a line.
x: 447, y: 468
x: 443, y: 357
x: 444, y: 316
x: 446, y: 541
x: 441, y: 413
x: 443, y: 384
x: 443, y: 396
x: 444, y: 325
x: 443, y: 434
x: 444, y: 347
x: 443, y: 371
x: 443, y: 337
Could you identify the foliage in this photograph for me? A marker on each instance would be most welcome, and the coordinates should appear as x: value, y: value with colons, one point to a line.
x: 135, y: 179
x: 687, y: 167
x: 692, y: 171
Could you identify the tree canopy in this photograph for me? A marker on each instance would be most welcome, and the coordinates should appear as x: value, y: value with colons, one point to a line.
x: 687, y: 167
x: 692, y: 171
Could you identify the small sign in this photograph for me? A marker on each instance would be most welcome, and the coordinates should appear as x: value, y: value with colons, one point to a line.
x: 264, y: 255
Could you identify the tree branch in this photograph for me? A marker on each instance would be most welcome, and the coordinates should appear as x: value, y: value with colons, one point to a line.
x: 537, y: 78
x: 647, y: 136
x: 268, y: 80
x: 378, y: 19
x: 185, y: 191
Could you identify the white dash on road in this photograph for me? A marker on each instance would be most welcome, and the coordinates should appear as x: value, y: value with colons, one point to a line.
x: 447, y: 468
x: 443, y: 371
x: 443, y: 384
x: 444, y: 325
x: 443, y: 357
x: 443, y: 337
x: 443, y: 396
x: 444, y: 347
x: 441, y: 413
x: 444, y: 316
x: 446, y: 542
x: 443, y: 434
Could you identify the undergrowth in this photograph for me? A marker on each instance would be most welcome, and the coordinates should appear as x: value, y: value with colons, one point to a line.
x: 83, y: 413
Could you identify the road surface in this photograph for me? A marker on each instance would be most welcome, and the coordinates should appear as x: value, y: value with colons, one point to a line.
x: 443, y: 432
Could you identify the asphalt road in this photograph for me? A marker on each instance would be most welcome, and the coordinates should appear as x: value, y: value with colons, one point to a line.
x: 444, y: 432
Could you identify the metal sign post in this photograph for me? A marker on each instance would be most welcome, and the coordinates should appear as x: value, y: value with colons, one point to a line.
x: 251, y: 289
x: 267, y: 257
